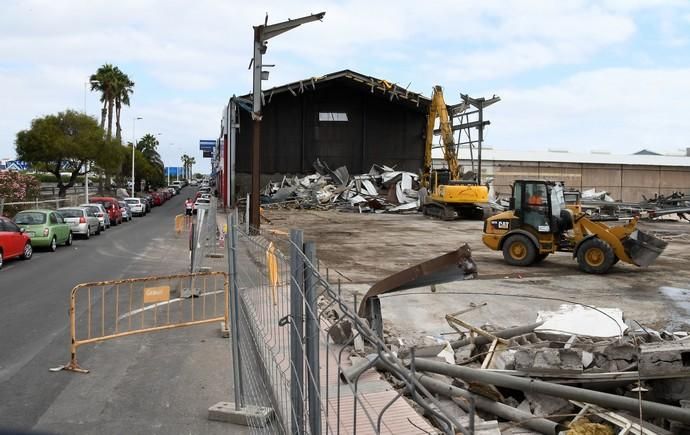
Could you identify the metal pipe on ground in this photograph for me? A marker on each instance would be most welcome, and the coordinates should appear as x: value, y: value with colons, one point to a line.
x: 430, y: 351
x: 504, y: 333
x: 524, y: 419
x: 650, y: 409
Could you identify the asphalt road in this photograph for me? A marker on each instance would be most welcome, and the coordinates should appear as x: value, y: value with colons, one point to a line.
x: 34, y: 334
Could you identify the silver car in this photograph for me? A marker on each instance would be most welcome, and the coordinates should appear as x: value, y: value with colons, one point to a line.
x: 125, y: 210
x: 101, y: 214
x: 81, y: 220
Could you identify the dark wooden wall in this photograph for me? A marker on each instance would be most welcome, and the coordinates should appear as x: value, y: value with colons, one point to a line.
x: 377, y: 131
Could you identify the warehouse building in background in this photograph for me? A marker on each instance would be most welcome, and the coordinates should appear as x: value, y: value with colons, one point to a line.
x: 624, y: 177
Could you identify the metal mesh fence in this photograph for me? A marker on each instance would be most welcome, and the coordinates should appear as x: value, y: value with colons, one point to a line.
x: 284, y: 357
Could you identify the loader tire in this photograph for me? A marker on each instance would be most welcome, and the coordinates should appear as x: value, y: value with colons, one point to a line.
x: 540, y: 258
x: 595, y: 256
x: 519, y: 250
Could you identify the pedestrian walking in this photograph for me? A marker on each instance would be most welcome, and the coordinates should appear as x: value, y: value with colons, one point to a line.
x: 188, y: 206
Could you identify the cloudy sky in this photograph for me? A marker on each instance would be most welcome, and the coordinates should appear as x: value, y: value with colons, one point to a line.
x: 581, y: 75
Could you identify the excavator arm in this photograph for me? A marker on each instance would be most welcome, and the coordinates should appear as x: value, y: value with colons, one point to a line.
x: 438, y: 109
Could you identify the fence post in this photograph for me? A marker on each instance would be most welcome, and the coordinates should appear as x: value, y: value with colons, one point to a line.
x: 234, y: 311
x: 192, y: 247
x: 297, y: 330
x: 312, y: 339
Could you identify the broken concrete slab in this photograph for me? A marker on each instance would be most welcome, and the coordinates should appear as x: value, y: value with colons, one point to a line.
x: 548, y: 360
x: 670, y: 358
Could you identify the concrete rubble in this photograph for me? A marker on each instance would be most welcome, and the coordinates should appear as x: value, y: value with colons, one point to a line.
x: 382, y: 189
x: 547, y: 378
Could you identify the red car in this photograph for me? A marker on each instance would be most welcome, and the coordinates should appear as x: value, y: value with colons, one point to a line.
x: 13, y: 242
x: 112, y: 206
x: 157, y: 199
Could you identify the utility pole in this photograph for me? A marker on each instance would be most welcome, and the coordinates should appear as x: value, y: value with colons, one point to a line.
x: 262, y: 34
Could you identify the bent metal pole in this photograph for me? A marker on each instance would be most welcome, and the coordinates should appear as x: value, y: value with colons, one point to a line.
x: 522, y: 418
x: 651, y: 409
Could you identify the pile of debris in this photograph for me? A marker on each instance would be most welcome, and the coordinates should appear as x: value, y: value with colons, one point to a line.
x: 382, y: 189
x: 600, y: 205
x: 578, y: 369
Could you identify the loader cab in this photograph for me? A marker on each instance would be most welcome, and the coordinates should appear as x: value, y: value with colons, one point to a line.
x: 539, y: 204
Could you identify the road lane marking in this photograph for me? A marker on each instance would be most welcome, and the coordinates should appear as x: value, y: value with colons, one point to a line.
x: 150, y: 307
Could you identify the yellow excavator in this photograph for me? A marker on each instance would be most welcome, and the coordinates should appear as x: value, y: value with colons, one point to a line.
x: 540, y: 222
x: 449, y: 197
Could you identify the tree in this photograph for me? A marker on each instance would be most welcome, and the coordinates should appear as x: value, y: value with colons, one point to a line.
x: 148, y: 146
x: 192, y: 162
x: 185, y: 162
x: 123, y: 87
x: 105, y: 81
x: 64, y: 143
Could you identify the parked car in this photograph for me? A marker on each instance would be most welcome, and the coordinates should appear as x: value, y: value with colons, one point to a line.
x: 100, y: 213
x: 14, y: 242
x: 137, y: 206
x: 125, y: 210
x: 201, y: 202
x: 193, y: 183
x: 111, y: 206
x: 81, y: 220
x: 148, y: 201
x: 46, y: 228
x: 157, y: 201
x: 205, y: 189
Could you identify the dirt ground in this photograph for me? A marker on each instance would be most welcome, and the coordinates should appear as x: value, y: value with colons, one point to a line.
x: 365, y: 248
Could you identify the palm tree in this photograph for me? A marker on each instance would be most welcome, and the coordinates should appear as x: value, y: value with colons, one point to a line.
x: 185, y: 163
x: 148, y: 145
x: 105, y: 81
x: 192, y: 161
x: 123, y: 87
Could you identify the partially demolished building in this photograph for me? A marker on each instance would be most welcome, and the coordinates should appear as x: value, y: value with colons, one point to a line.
x: 344, y: 118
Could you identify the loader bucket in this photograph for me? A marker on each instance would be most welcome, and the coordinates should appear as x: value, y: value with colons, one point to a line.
x: 643, y: 248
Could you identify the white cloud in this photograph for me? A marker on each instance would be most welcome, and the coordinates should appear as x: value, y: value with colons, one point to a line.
x: 188, y: 58
x: 618, y: 109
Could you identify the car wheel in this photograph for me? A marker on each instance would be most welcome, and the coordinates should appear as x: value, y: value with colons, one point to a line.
x: 68, y: 242
x: 28, y: 252
x: 88, y: 233
x: 0, y: 259
x: 98, y: 230
x: 53, y: 244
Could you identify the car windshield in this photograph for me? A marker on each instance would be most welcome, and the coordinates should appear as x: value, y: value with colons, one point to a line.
x: 30, y: 218
x: 203, y: 201
x: 132, y: 201
x: 71, y: 213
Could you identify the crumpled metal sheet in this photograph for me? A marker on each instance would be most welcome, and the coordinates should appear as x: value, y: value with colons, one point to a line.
x: 382, y: 189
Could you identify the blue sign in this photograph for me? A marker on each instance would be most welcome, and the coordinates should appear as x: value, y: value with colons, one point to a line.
x: 207, y: 145
x: 16, y: 165
x: 171, y: 171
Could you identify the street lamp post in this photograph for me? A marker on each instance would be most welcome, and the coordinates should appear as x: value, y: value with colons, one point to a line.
x: 262, y: 34
x: 134, y: 145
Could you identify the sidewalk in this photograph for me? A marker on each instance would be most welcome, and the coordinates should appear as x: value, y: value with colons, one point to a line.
x: 154, y: 383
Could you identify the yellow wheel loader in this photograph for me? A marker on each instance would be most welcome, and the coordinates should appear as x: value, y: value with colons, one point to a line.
x: 540, y: 223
